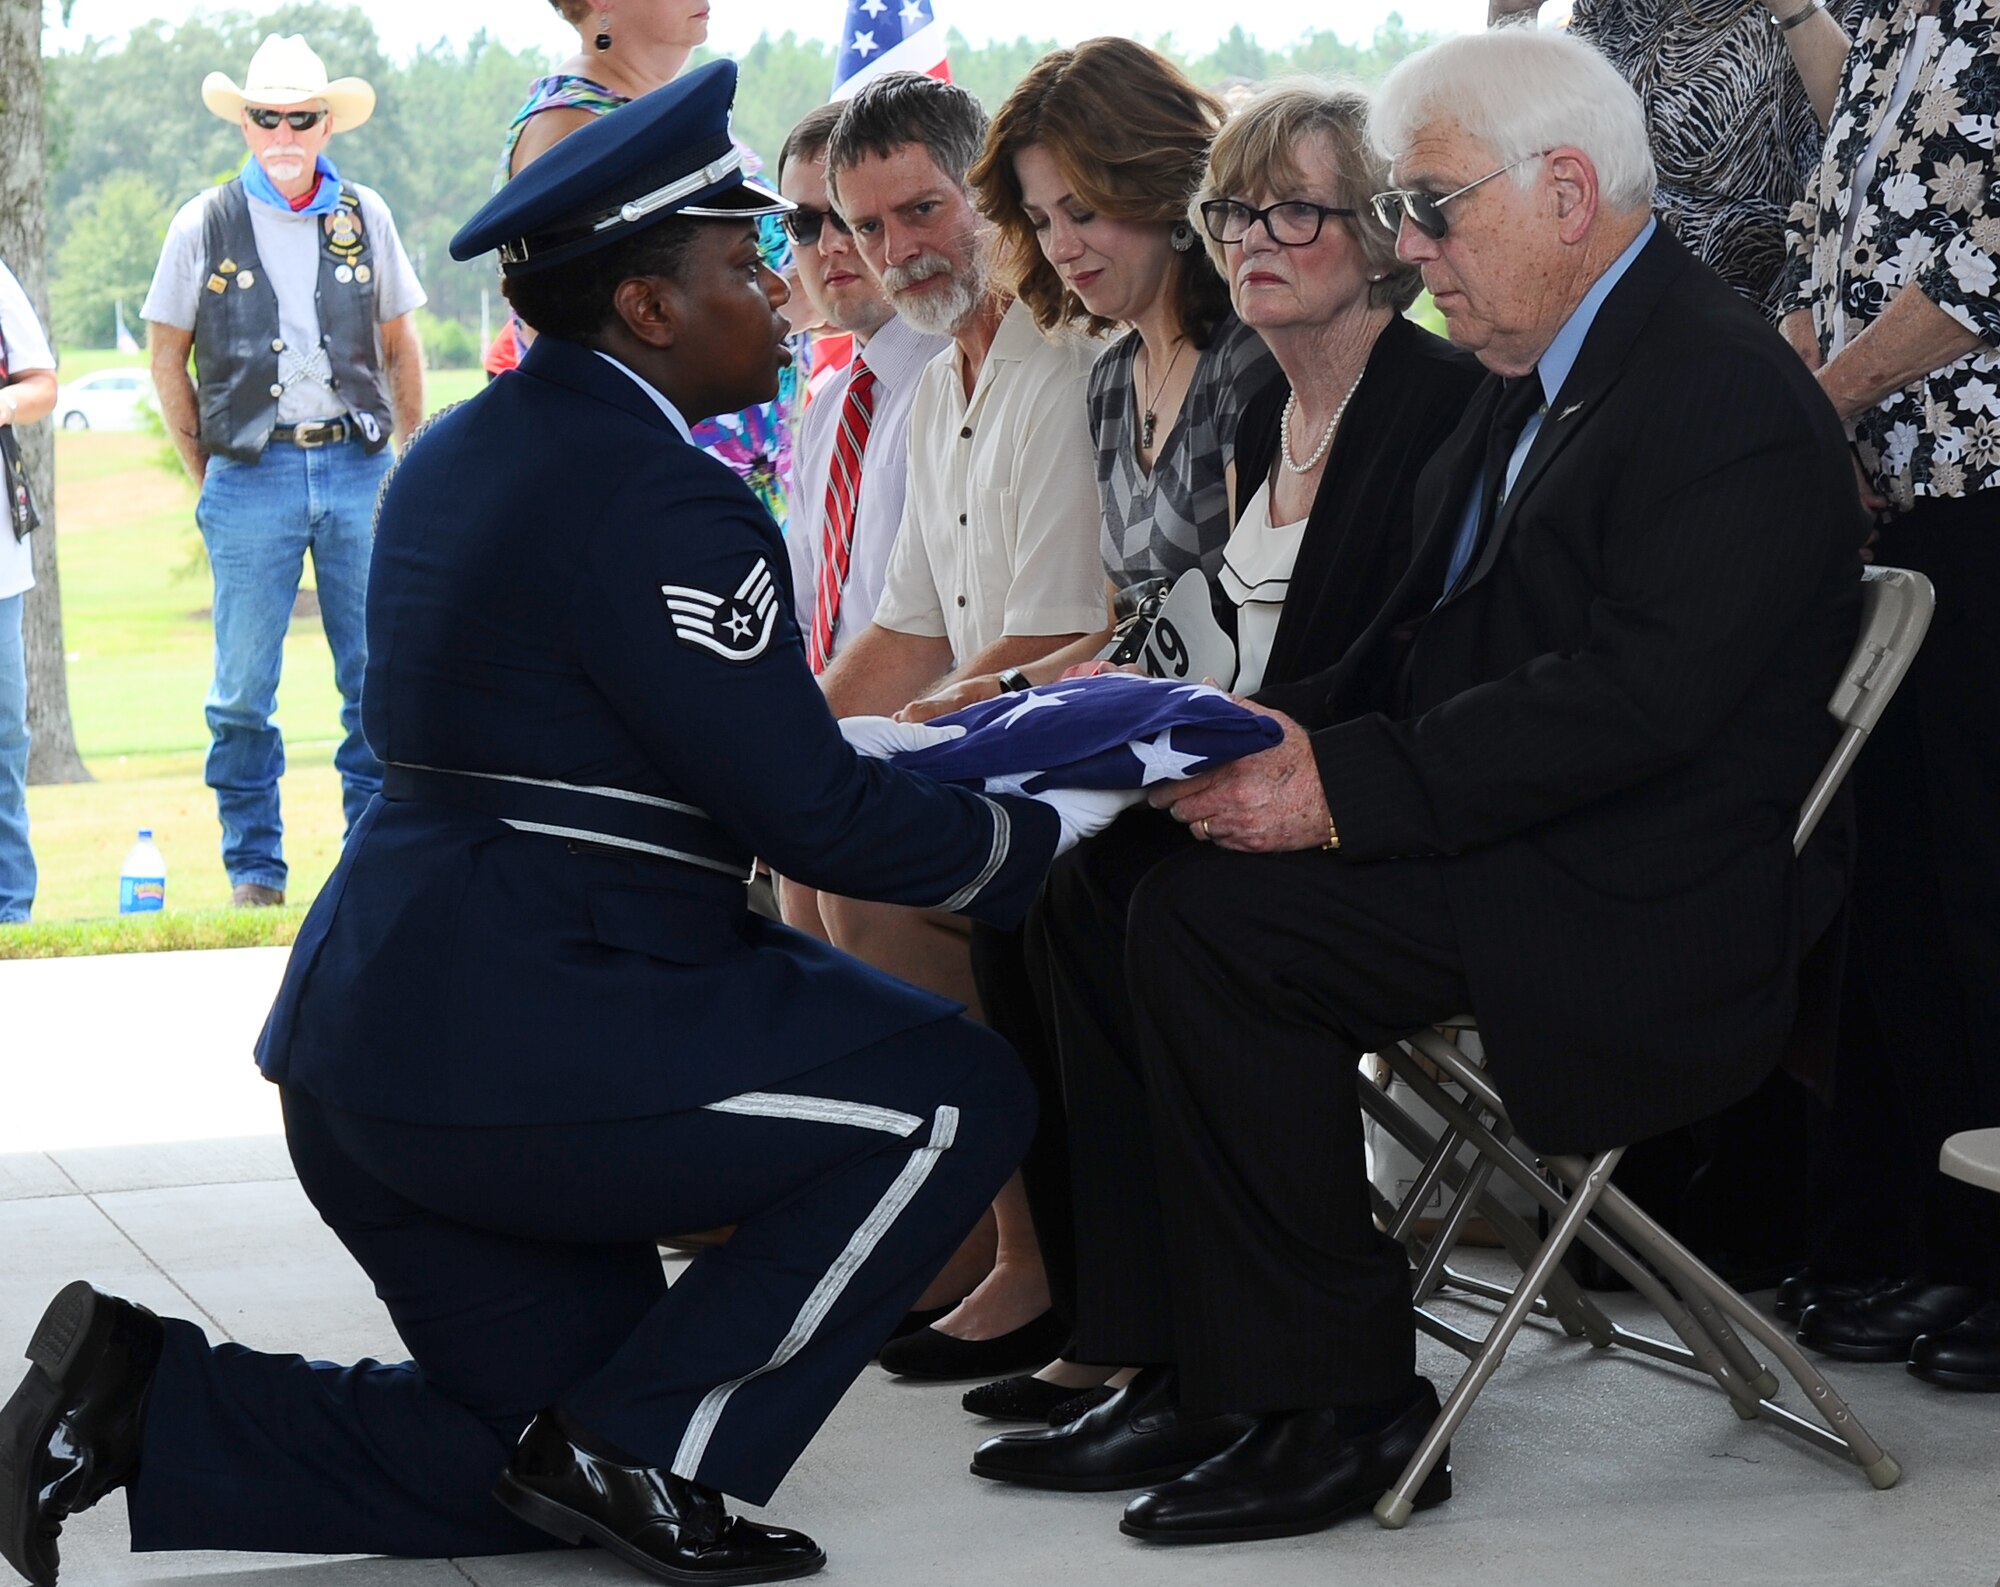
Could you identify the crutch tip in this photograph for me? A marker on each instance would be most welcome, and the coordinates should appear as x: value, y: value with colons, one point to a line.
x: 1393, y: 1510
x: 1766, y: 1384
x: 1884, y: 1473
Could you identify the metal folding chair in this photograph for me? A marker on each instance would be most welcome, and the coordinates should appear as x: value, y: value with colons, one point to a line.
x: 1708, y: 1318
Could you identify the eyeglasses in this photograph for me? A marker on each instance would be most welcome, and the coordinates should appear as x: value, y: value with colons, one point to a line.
x: 297, y: 120
x: 804, y: 225
x: 1425, y: 212
x: 1294, y: 223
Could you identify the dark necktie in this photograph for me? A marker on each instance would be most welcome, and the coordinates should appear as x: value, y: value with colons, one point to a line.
x: 1520, y: 400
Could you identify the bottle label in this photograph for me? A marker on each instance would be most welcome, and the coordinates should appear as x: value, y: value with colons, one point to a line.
x: 138, y: 895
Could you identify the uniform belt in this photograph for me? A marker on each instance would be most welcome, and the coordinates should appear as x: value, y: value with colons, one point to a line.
x: 314, y: 432
x: 640, y: 824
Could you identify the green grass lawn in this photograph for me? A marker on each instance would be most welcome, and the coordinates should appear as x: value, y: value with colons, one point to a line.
x: 136, y: 625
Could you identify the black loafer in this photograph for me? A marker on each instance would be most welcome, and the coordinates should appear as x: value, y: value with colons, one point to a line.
x: 935, y: 1357
x: 1293, y: 1472
x: 1883, y: 1324
x: 1807, y: 1287
x: 1964, y: 1357
x: 71, y: 1432
x: 1078, y: 1403
x: 1137, y: 1437
x: 663, y: 1524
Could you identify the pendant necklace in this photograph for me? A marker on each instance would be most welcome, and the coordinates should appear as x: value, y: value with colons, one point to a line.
x: 1326, y: 436
x: 1152, y: 402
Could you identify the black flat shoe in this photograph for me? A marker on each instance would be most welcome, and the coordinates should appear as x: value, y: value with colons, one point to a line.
x: 915, y: 1320
x: 1807, y: 1287
x: 1883, y: 1324
x: 662, y: 1524
x: 71, y: 1432
x: 1078, y: 1403
x: 1138, y: 1436
x: 1964, y: 1357
x: 1019, y: 1399
x: 1293, y: 1472
x: 937, y: 1357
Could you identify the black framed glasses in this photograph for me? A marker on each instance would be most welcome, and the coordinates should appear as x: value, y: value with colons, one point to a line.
x: 1425, y: 211
x: 1295, y: 223
x: 297, y: 120
x: 804, y: 225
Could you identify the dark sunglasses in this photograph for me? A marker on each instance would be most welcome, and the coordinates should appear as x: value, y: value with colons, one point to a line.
x: 1426, y: 212
x: 297, y: 120
x: 803, y: 225
x: 1294, y: 223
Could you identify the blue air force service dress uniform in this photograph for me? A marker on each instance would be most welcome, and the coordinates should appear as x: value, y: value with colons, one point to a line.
x: 531, y: 1024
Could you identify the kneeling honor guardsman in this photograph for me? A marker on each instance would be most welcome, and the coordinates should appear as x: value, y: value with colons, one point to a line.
x: 531, y: 1022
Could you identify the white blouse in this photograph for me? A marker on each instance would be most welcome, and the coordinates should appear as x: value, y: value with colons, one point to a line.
x: 1256, y: 573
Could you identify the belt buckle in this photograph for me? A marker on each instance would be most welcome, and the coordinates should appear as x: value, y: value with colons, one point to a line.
x: 314, y: 432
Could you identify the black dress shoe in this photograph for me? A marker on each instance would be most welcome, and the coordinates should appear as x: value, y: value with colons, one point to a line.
x: 938, y: 1357
x: 1019, y: 1399
x: 1964, y: 1357
x: 664, y: 1524
x: 1808, y: 1287
x: 1883, y: 1324
x: 71, y: 1432
x: 1293, y: 1472
x: 1137, y: 1437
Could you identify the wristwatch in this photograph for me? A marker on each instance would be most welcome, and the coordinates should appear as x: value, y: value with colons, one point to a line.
x: 1013, y: 680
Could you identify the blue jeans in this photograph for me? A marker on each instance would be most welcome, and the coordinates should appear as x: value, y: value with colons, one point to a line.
x: 17, y: 860
x: 259, y: 520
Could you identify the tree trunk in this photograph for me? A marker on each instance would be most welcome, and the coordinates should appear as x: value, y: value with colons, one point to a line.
x: 24, y: 239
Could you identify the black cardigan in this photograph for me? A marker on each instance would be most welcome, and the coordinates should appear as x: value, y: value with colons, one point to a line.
x: 1356, y: 545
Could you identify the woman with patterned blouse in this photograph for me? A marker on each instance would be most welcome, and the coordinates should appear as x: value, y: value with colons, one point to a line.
x: 1734, y: 110
x: 1895, y: 260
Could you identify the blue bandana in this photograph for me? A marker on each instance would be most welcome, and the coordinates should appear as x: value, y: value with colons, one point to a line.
x: 325, y: 200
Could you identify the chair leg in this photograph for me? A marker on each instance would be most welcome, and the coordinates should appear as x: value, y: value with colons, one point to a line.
x: 1396, y: 1506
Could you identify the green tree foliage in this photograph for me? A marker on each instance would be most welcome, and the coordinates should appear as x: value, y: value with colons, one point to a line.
x: 128, y: 133
x: 111, y: 241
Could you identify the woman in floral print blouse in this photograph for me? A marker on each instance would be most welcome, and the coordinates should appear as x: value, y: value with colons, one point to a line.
x: 1895, y: 256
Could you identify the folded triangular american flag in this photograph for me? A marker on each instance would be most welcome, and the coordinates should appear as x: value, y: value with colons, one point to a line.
x: 1115, y: 730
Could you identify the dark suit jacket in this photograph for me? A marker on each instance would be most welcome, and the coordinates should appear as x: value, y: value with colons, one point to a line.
x: 1356, y: 547
x: 1612, y: 723
x: 457, y: 970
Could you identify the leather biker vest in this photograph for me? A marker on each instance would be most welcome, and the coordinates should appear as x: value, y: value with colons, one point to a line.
x: 236, y: 335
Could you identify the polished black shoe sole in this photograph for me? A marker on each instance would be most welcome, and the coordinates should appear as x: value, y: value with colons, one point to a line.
x: 1873, y: 1354
x: 29, y: 1419
x: 1946, y: 1378
x: 1436, y: 1489
x: 1111, y: 1482
x: 573, y: 1526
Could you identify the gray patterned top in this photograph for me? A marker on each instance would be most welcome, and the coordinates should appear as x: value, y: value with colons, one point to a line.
x: 1161, y: 524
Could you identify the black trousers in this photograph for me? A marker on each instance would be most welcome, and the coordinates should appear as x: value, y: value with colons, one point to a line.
x: 1927, y: 911
x: 1211, y: 1009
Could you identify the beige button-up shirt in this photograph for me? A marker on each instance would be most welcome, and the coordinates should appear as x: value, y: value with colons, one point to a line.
x: 1000, y: 513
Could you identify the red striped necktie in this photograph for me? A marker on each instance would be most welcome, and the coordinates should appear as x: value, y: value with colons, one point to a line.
x: 843, y: 496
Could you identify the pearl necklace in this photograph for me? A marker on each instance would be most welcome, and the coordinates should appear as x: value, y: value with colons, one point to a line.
x: 1326, y: 437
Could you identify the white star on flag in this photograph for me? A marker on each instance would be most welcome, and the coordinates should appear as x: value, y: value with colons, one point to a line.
x: 912, y: 11
x: 1162, y: 761
x: 1031, y: 702
x: 1015, y: 782
x: 873, y: 7
x: 865, y: 43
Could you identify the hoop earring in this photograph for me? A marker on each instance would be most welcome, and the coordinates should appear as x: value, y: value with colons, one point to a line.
x: 1181, y: 239
x: 603, y: 39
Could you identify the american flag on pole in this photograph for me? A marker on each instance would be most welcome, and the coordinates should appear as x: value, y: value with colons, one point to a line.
x: 884, y: 36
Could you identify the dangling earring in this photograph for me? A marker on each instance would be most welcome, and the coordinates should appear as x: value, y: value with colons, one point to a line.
x: 603, y: 39
x: 1181, y: 238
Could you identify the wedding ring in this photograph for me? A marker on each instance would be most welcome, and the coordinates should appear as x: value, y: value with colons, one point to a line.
x: 1203, y: 824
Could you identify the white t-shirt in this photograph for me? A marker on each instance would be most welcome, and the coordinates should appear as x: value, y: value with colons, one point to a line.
x: 288, y: 249
x: 1000, y: 514
x: 27, y: 348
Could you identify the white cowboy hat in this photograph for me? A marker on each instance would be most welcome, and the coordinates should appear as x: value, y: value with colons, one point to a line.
x: 285, y: 71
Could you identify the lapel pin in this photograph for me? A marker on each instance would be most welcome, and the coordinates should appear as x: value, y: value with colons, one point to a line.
x: 1574, y: 407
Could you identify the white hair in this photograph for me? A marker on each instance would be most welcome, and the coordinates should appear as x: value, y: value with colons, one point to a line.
x: 1521, y: 91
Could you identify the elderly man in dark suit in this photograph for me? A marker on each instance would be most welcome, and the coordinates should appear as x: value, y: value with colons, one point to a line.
x: 1554, y: 782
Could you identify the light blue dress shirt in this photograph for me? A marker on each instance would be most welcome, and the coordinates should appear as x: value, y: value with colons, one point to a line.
x: 1553, y: 369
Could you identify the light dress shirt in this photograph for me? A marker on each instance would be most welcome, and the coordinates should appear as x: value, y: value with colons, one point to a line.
x: 658, y: 397
x: 897, y: 353
x: 1000, y: 515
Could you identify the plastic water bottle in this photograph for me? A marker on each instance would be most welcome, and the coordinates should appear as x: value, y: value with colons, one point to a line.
x: 142, y: 884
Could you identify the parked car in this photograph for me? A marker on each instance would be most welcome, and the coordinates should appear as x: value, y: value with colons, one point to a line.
x: 109, y: 399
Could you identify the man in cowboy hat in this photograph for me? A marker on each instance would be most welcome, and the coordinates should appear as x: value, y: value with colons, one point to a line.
x: 290, y: 288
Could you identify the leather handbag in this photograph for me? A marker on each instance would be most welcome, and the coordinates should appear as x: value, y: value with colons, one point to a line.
x: 21, y: 509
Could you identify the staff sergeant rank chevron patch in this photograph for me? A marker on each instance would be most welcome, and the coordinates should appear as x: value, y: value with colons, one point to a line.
x: 735, y: 627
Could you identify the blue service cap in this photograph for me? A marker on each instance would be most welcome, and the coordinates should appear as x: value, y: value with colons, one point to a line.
x: 666, y: 153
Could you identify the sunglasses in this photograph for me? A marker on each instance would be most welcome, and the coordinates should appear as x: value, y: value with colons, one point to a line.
x: 1293, y: 224
x: 803, y: 225
x: 297, y: 120
x: 1426, y: 212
